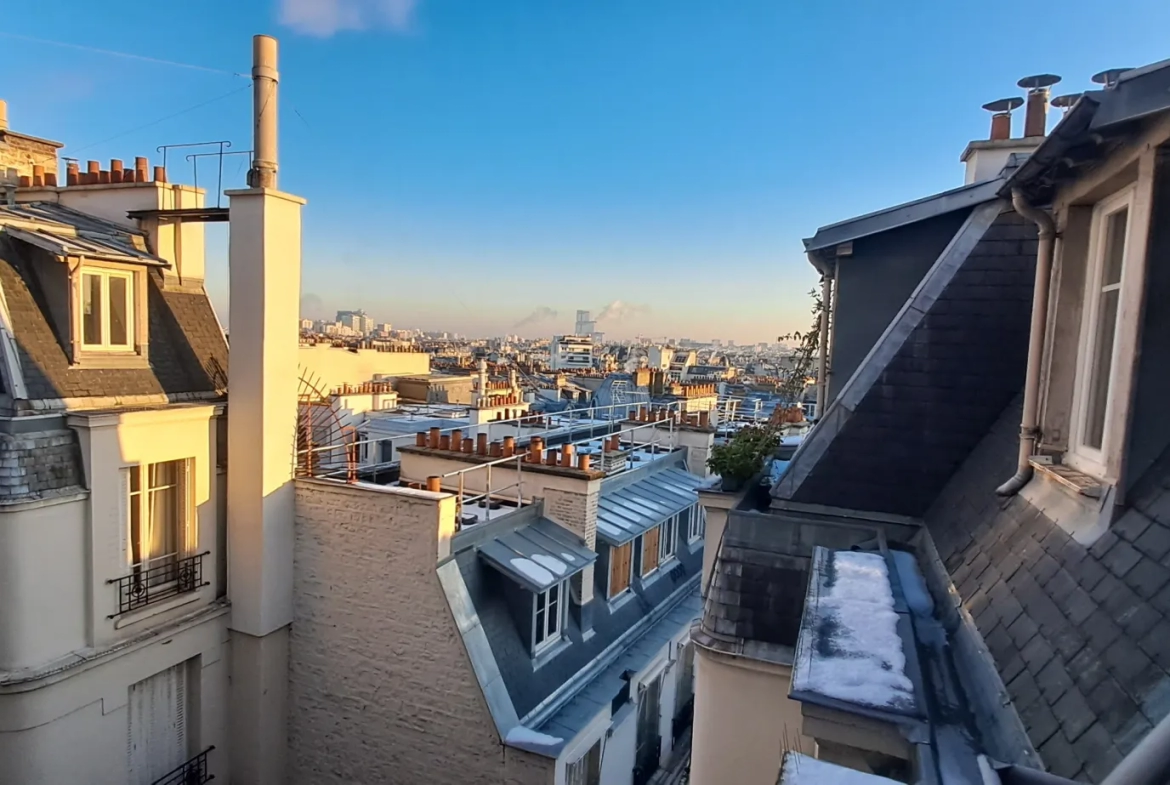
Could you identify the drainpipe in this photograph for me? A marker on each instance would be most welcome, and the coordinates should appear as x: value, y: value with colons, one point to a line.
x: 823, y: 339
x: 1028, y: 425
x: 1148, y: 763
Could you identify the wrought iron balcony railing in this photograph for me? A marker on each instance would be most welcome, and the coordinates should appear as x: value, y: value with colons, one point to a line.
x: 147, y: 586
x: 193, y: 772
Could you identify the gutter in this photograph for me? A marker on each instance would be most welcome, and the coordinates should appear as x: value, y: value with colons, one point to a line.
x: 1029, y: 432
x: 827, y: 280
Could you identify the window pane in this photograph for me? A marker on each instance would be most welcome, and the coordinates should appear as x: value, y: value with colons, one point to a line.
x: 540, y: 634
x: 119, y: 311
x: 1114, y: 248
x: 1102, y: 365
x: 91, y: 309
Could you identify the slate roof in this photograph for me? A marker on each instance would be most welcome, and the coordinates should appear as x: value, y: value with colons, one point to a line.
x: 1092, y: 129
x: 629, y: 511
x: 934, y: 383
x: 66, y: 232
x: 964, y: 197
x: 509, y: 646
x: 1080, y: 636
x: 187, y: 350
x: 537, y: 556
x: 496, y: 607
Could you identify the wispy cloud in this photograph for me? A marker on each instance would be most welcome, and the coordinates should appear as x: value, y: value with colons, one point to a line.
x: 541, y: 314
x: 323, y: 18
x: 618, y: 311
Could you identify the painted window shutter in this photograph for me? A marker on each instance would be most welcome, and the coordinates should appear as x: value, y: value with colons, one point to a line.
x: 157, y: 734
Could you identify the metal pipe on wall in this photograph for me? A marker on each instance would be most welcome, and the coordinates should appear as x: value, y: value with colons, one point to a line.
x: 265, y: 79
x: 1029, y: 430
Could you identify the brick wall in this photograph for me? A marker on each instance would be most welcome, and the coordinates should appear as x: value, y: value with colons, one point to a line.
x: 33, y: 464
x: 20, y: 153
x: 577, y: 511
x: 380, y: 686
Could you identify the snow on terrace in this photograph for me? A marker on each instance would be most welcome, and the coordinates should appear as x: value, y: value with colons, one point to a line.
x: 849, y: 646
x: 798, y: 769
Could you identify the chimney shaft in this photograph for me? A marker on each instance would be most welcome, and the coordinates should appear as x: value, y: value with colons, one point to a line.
x: 1001, y: 126
x: 265, y: 79
x: 3, y: 115
x: 1036, y: 111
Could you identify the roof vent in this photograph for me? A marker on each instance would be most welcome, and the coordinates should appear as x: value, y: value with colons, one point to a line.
x: 1036, y: 115
x: 1109, y: 76
x: 1001, y: 118
x: 1066, y: 101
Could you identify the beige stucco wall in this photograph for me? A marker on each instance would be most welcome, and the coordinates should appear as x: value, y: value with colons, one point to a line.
x: 44, y: 573
x: 380, y: 685
x: 110, y: 443
x: 330, y: 366
x: 744, y: 721
x: 71, y: 726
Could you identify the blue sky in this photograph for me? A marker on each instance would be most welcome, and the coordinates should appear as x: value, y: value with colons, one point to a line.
x: 470, y: 162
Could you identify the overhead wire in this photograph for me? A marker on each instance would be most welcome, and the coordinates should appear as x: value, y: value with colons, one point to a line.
x: 171, y: 116
x: 115, y: 53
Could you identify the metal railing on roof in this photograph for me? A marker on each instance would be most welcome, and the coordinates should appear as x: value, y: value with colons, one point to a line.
x: 348, y: 460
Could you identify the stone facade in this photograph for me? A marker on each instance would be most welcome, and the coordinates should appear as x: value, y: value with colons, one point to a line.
x: 380, y: 685
x: 21, y: 152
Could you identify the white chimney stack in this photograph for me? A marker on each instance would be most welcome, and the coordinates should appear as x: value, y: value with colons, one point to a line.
x: 264, y: 268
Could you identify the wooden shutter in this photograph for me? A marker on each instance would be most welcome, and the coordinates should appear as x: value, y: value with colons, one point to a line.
x: 157, y: 732
x: 619, y: 568
x: 650, y: 542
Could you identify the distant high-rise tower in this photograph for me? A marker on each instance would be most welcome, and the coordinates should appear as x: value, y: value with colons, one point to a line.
x: 585, y: 325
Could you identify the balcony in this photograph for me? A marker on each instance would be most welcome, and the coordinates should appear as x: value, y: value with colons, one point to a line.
x: 193, y: 772
x: 149, y: 586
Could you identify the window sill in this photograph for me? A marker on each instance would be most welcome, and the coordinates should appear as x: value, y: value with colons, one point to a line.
x: 109, y: 360
x: 134, y: 617
x: 542, y: 657
x: 695, y: 544
x: 1074, y: 480
x: 1060, y: 493
x: 619, y: 600
x: 663, y: 569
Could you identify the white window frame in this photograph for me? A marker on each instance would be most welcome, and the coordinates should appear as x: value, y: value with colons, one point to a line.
x: 696, y: 523
x: 554, y: 623
x: 1084, y: 458
x: 577, y: 772
x: 670, y: 525
x: 105, y: 274
x: 186, y: 529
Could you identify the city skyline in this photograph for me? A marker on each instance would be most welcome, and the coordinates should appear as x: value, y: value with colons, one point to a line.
x: 519, y: 159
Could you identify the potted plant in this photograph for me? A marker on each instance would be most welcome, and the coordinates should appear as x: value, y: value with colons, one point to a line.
x: 742, y: 456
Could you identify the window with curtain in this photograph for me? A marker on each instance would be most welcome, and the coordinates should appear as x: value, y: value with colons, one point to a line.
x: 159, y: 511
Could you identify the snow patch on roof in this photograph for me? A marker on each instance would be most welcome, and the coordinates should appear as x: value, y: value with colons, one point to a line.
x: 857, y: 654
x: 551, y: 563
x: 802, y: 770
x: 532, y: 570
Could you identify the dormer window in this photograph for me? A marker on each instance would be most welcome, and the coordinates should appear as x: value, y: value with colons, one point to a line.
x: 107, y: 310
x: 1105, y: 321
x: 549, y: 616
